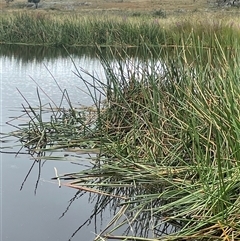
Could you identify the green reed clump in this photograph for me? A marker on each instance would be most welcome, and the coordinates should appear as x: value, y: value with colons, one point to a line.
x: 168, y: 140
x: 173, y: 144
x: 227, y: 31
x: 56, y: 30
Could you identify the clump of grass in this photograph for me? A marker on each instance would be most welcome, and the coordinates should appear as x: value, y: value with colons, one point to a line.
x: 55, y: 126
x: 168, y: 133
x: 172, y: 131
x: 160, y: 13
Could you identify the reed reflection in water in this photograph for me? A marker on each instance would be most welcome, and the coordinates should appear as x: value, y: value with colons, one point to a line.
x: 25, y: 216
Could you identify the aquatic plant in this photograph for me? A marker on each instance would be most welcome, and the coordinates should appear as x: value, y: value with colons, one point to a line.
x: 39, y: 28
x: 166, y: 131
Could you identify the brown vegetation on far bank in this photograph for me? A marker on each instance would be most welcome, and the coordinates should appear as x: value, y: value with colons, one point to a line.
x: 112, y: 5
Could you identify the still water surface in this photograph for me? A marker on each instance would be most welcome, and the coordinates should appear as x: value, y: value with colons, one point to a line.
x: 24, y: 215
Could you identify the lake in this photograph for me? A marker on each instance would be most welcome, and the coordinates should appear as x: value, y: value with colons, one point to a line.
x: 32, y: 204
x: 27, y: 216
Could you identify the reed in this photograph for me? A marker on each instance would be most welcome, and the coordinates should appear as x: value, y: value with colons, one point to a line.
x: 41, y: 28
x: 173, y: 141
x: 167, y: 134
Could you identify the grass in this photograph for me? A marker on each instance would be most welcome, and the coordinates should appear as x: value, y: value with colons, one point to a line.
x: 45, y: 29
x: 164, y: 128
x: 112, y: 6
x: 176, y: 140
x: 167, y: 141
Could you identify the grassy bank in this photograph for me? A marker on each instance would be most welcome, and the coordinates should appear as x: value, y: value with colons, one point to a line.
x: 166, y: 138
x: 42, y: 28
x: 113, y: 6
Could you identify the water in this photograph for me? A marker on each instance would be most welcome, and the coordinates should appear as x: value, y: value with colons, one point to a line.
x: 24, y: 215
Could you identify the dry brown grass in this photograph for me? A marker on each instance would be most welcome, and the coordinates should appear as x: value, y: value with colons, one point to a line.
x: 110, y: 5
